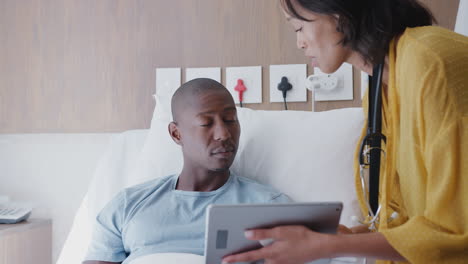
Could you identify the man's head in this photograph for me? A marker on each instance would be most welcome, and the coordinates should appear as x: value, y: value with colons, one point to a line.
x: 205, y: 124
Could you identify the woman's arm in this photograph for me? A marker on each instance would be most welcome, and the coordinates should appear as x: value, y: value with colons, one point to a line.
x: 298, y: 244
x: 371, y: 244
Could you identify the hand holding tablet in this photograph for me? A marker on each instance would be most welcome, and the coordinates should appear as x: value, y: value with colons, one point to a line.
x: 226, y: 224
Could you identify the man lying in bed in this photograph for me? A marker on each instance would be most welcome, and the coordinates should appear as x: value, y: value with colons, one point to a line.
x: 168, y: 214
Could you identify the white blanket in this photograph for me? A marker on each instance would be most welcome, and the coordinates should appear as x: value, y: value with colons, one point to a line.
x: 170, y: 258
x: 182, y: 258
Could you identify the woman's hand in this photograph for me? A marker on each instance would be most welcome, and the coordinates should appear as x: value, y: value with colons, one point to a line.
x: 298, y: 245
x: 292, y: 244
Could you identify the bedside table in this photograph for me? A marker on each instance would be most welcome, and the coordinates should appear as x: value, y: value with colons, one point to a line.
x: 26, y: 242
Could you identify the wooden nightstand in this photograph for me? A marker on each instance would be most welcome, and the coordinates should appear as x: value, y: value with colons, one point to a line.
x: 26, y: 242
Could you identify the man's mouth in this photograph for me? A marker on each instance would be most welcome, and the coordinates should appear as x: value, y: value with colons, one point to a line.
x: 223, y: 152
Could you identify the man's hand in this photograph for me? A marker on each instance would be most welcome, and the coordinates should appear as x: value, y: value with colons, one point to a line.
x: 292, y: 245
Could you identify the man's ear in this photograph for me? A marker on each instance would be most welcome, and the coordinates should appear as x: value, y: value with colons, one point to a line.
x: 174, y: 133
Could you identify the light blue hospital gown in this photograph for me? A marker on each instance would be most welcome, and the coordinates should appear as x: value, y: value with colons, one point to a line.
x: 153, y: 217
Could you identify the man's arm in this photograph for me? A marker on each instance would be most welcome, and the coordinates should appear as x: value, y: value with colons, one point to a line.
x: 99, y: 262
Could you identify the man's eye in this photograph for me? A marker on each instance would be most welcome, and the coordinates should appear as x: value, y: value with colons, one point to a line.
x: 205, y: 122
x: 230, y: 119
x: 299, y: 29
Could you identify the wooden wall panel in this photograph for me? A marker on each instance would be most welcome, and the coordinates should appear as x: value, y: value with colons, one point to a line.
x: 88, y: 66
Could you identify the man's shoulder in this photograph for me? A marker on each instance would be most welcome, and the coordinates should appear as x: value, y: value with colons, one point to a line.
x: 259, y: 190
x: 144, y: 188
x: 129, y: 198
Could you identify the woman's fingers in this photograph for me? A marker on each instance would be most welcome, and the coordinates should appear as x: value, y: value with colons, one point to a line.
x: 260, y: 234
x: 247, y: 256
x: 276, y: 233
x: 343, y: 230
x: 283, y: 234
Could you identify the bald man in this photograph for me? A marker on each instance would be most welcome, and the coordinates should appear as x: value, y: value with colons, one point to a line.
x: 168, y: 214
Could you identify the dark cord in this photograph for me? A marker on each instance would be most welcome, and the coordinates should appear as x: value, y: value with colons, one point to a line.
x: 284, y: 86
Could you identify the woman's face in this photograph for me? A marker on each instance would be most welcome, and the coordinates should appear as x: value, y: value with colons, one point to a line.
x: 319, y: 39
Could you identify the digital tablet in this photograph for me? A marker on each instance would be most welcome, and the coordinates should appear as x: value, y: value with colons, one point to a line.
x: 225, y: 224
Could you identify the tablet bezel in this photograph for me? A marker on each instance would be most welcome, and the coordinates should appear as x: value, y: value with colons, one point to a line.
x: 234, y: 219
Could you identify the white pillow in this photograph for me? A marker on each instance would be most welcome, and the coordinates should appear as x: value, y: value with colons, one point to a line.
x: 112, y: 173
x: 307, y: 155
x: 170, y: 258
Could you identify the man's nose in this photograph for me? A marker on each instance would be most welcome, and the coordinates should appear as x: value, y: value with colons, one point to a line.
x: 221, y: 132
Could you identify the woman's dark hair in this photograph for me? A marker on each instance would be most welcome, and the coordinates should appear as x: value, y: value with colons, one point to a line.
x: 368, y: 26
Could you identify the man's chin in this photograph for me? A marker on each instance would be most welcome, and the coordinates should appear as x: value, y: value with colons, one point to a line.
x: 221, y: 165
x: 221, y: 169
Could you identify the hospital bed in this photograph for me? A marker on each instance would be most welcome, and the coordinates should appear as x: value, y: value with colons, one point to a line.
x: 307, y: 155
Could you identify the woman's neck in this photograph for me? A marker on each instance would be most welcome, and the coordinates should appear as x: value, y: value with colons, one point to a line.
x: 358, y: 62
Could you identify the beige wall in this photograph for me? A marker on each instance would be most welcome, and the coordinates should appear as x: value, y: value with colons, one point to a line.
x: 88, y: 66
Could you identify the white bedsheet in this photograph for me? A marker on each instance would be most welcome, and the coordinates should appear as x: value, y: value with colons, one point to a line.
x: 183, y: 258
x: 170, y: 258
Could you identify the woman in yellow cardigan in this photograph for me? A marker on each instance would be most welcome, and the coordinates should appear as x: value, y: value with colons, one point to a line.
x: 424, y: 174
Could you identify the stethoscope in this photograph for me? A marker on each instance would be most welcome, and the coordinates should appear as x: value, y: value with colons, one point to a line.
x: 371, y: 149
